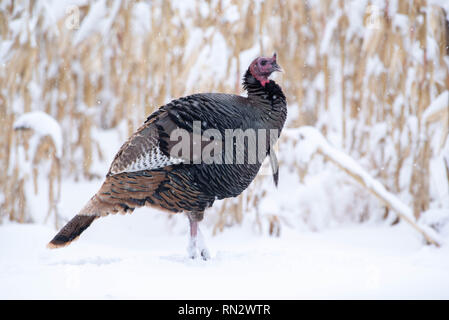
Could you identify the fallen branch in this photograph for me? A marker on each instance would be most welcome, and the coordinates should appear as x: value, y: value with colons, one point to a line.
x: 312, y: 141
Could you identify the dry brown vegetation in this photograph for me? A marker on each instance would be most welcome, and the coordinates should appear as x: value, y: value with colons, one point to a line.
x: 332, y: 80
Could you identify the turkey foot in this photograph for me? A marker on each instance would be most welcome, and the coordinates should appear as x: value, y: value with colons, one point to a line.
x: 202, y: 246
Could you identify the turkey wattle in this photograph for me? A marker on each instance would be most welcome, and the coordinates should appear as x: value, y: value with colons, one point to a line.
x: 148, y: 171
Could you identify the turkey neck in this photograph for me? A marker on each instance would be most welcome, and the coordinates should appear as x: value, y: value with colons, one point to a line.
x: 268, y: 99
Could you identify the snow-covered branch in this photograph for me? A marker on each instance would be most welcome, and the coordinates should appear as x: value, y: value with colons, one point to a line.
x: 312, y: 141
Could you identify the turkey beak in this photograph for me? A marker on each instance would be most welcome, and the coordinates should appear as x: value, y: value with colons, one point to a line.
x: 276, y: 67
x: 274, y: 64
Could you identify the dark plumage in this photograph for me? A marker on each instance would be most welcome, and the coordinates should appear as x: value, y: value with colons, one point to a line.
x: 147, y: 170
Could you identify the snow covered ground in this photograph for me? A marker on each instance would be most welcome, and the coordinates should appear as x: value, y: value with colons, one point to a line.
x: 143, y: 256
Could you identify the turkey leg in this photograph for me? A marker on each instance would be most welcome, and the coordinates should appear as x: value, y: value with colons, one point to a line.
x: 196, y: 241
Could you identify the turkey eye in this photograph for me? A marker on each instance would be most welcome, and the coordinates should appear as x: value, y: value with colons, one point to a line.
x: 263, y: 62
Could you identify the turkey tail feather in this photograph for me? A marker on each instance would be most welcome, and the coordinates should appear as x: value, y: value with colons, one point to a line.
x: 120, y: 193
x: 93, y: 209
x: 71, y: 231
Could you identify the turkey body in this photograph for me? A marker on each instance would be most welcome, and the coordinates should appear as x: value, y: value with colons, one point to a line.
x: 146, y: 172
x: 187, y: 186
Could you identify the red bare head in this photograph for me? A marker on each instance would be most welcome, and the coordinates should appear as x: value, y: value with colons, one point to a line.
x: 262, y: 67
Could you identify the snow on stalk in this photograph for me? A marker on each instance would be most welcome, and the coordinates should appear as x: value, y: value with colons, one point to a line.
x: 311, y: 141
x: 437, y: 109
x: 43, y: 125
x: 46, y: 142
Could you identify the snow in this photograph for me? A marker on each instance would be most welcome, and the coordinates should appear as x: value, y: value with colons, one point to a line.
x: 90, y: 23
x: 439, y: 178
x: 401, y: 22
x: 439, y: 104
x: 139, y: 257
x: 231, y: 14
x: 437, y: 218
x: 5, y: 47
x: 312, y: 141
x: 328, y: 32
x: 44, y: 125
x: 142, y: 18
x: 217, y: 50
x: 441, y: 3
x: 374, y: 67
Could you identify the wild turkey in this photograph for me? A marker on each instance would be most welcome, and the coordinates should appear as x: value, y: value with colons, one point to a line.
x: 148, y: 171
